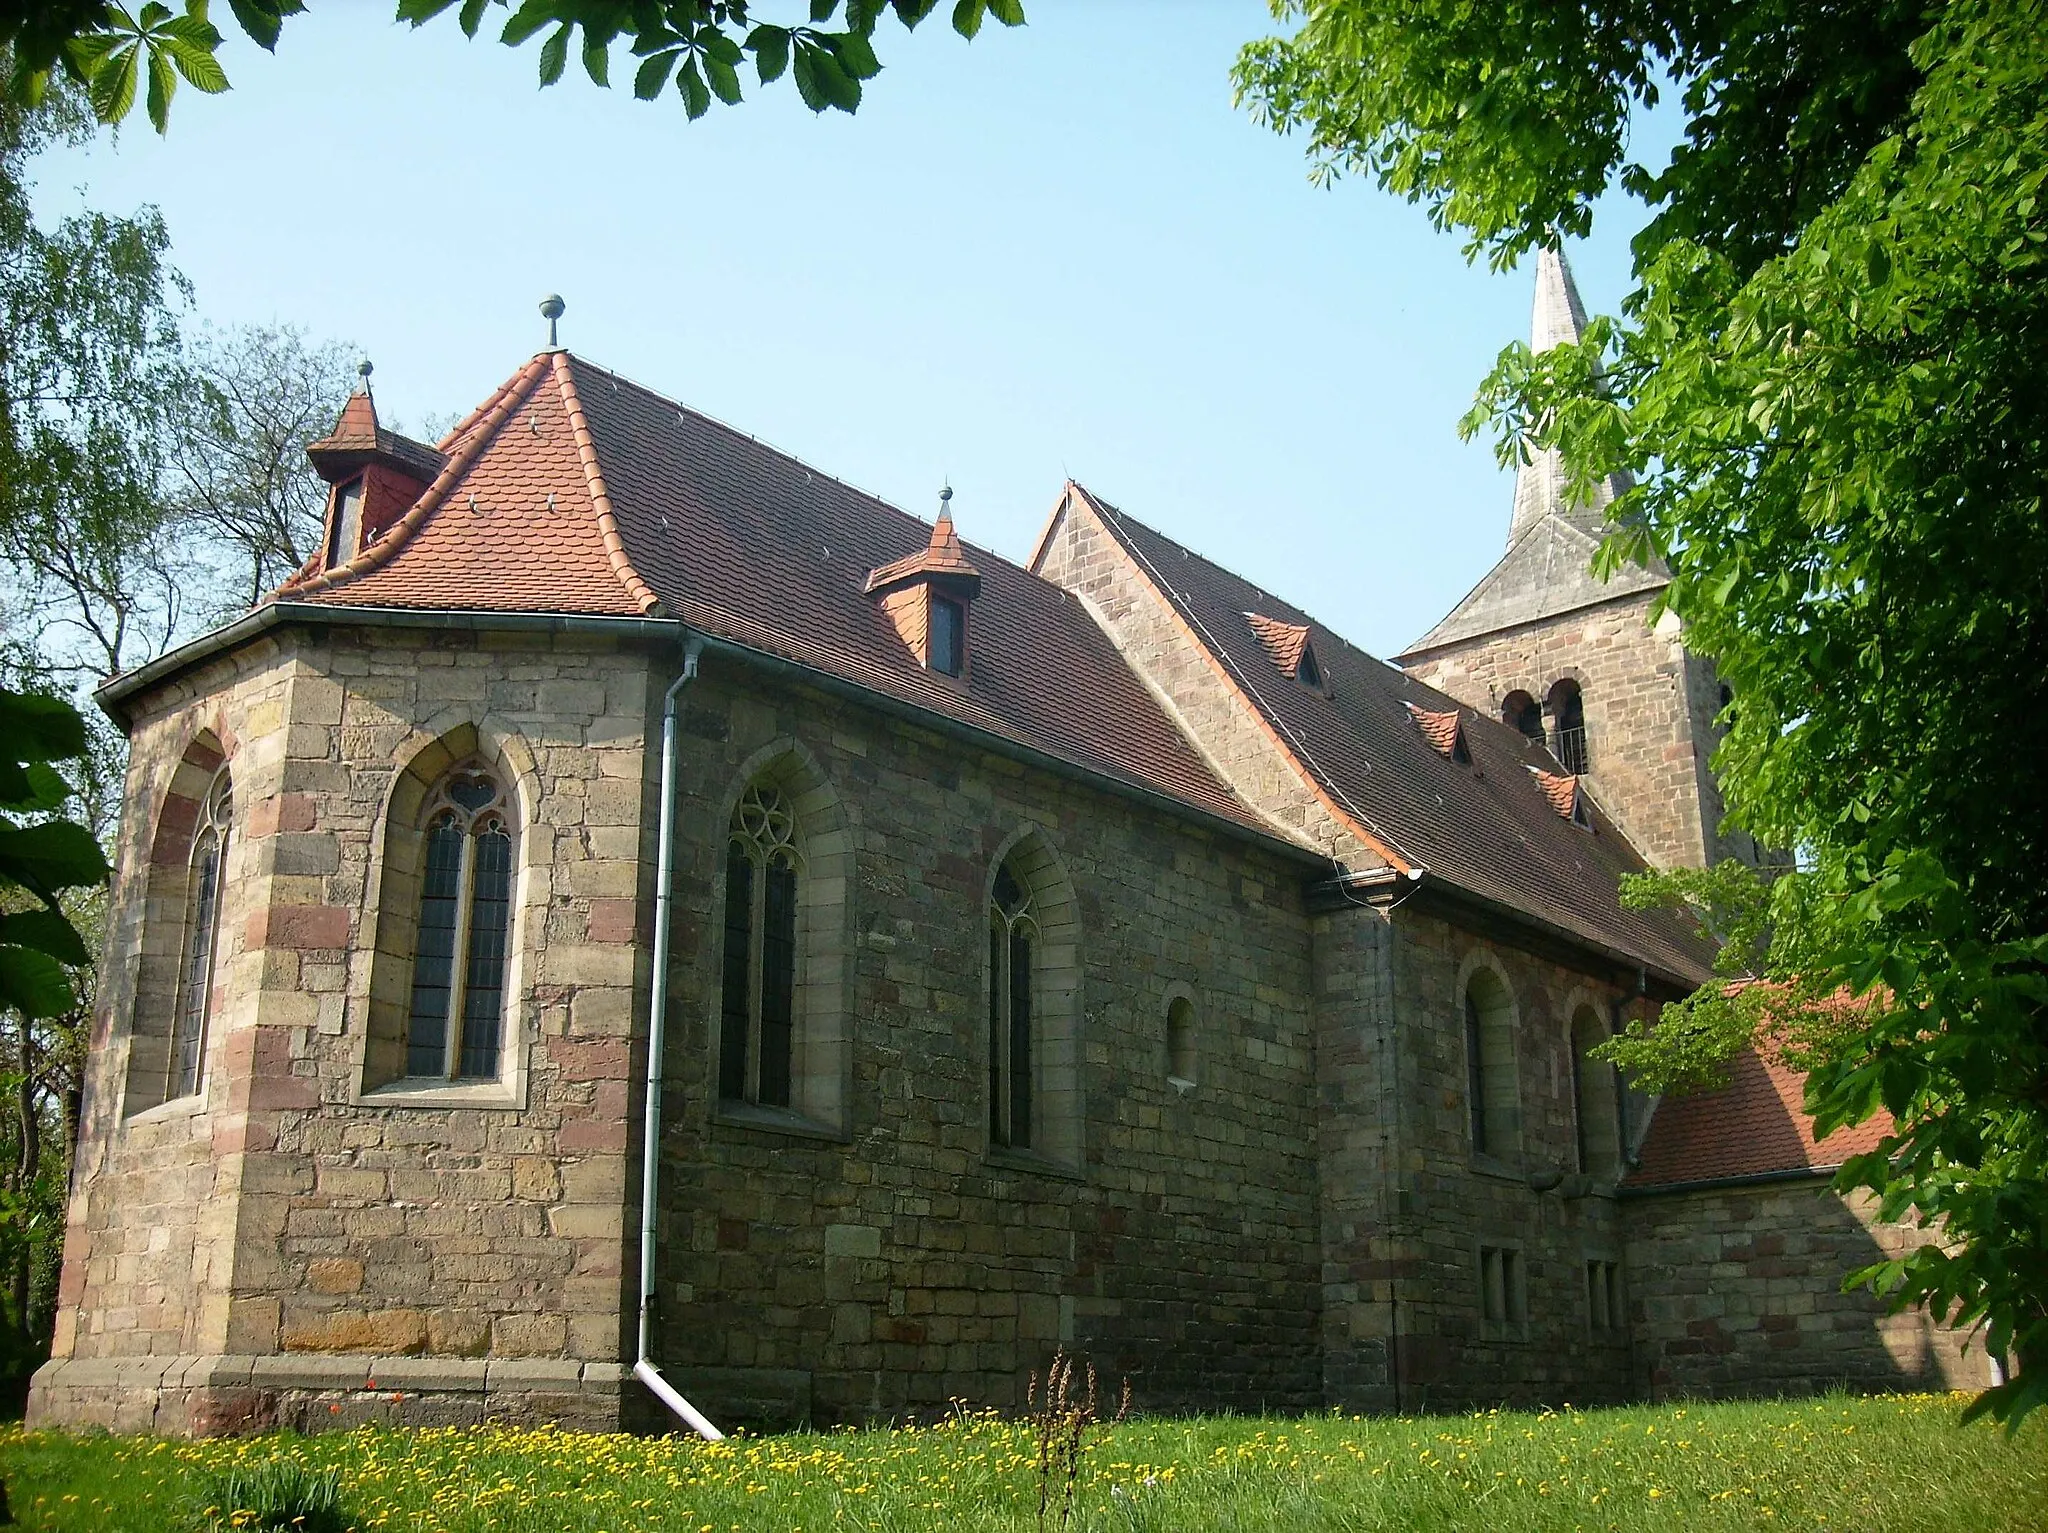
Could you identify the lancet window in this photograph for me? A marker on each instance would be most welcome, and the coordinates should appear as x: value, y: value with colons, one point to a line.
x: 1012, y: 938
x: 202, y: 939
x: 763, y: 868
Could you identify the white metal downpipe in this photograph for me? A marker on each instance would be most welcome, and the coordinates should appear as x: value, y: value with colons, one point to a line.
x: 657, y: 1018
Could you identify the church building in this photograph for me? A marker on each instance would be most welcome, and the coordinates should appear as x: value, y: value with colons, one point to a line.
x: 637, y: 926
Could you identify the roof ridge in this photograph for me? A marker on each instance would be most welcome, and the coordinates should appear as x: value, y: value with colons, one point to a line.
x: 600, y: 494
x: 512, y: 392
x: 1295, y: 752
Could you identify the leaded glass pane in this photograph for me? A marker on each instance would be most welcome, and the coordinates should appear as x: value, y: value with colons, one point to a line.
x: 736, y: 1006
x: 433, y: 970
x: 188, y: 1032
x: 490, y: 918
x: 1020, y: 1036
x: 778, y: 982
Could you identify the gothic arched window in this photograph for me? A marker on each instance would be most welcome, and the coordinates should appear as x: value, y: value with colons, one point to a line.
x: 202, y: 939
x: 757, y: 1010
x: 1492, y: 1092
x: 1012, y: 936
x: 1596, y: 1098
x: 456, y: 1020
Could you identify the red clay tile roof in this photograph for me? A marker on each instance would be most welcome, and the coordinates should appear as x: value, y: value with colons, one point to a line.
x: 1487, y: 828
x: 942, y: 557
x: 1753, y: 1126
x: 519, y: 518
x: 1440, y: 729
x: 573, y: 490
x: 1284, y: 642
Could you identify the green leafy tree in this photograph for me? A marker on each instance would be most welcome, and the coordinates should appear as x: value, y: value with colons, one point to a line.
x: 698, y: 46
x: 1827, y: 385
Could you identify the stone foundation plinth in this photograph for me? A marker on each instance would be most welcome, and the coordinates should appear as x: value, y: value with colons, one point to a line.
x: 210, y: 1396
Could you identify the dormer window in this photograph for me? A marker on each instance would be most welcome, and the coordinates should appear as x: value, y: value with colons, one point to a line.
x: 1287, y: 646
x: 948, y: 629
x: 345, y: 527
x: 1444, y: 730
x: 926, y: 595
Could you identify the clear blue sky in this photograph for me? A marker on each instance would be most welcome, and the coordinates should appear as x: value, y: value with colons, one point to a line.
x: 1054, y: 251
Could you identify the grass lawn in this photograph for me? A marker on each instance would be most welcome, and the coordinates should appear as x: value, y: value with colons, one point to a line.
x: 1866, y: 1465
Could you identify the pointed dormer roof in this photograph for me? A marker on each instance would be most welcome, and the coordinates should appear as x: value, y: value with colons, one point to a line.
x: 941, y: 559
x: 1552, y: 537
x: 358, y: 439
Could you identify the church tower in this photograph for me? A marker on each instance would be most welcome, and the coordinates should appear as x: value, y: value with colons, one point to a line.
x: 1546, y: 645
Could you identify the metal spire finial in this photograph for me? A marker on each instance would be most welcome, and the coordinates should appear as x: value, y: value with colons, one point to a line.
x: 946, y: 500
x: 551, y: 308
x: 363, y: 371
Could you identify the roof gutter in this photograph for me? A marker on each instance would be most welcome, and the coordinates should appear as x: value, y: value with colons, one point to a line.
x: 1716, y: 1183
x: 114, y: 694
x: 1390, y: 885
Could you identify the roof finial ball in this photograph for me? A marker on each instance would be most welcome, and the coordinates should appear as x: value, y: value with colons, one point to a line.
x: 363, y: 371
x: 551, y: 308
x: 945, y: 501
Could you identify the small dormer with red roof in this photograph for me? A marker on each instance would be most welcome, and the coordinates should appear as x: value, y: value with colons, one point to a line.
x: 375, y: 474
x: 928, y: 594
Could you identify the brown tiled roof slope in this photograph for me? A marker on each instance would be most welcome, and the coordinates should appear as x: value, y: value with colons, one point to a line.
x: 1753, y: 1126
x: 1486, y: 828
x: 656, y: 508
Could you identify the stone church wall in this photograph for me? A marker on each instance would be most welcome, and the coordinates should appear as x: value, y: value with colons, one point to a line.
x: 894, y: 1261
x: 1451, y: 1200
x: 276, y: 1244
x: 1649, y: 716
x: 1736, y: 1291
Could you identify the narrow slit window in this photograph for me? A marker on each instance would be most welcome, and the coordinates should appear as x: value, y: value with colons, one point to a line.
x: 455, y: 1022
x: 757, y: 1007
x: 202, y: 941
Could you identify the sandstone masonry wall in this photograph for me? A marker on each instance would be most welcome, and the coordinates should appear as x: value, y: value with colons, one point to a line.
x: 899, y: 1260
x: 1737, y: 1291
x: 462, y: 1247
x: 1450, y: 1200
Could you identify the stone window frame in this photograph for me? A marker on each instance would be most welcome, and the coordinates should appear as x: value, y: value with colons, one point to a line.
x: 391, y: 909
x: 1184, y: 1054
x: 1059, y: 1117
x: 160, y: 967
x: 1501, y: 1087
x: 1507, y: 1257
x: 822, y: 1024
x: 1604, y: 1288
x: 1604, y: 1171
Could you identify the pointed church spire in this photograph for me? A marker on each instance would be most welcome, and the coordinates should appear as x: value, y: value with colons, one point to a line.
x: 1557, y: 319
